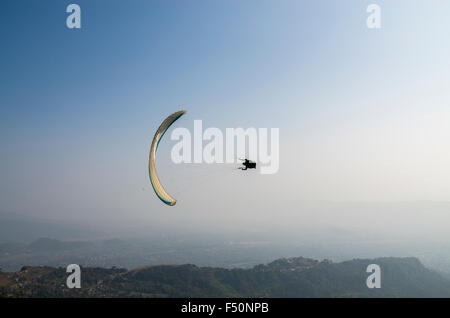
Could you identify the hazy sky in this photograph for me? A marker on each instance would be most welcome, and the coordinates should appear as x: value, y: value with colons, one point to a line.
x: 363, y: 114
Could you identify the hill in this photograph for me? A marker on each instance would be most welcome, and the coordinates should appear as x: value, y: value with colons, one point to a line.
x: 293, y: 277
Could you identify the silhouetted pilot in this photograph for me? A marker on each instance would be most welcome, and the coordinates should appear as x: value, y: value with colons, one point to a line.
x: 248, y: 164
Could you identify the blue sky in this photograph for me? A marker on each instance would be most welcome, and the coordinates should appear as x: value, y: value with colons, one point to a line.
x: 78, y: 108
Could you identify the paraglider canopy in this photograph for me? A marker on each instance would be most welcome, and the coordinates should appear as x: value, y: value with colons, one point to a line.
x: 156, y: 184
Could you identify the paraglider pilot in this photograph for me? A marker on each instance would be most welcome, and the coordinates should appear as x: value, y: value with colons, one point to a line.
x: 248, y: 164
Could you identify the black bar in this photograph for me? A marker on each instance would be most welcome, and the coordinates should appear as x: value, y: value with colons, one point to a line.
x: 295, y: 307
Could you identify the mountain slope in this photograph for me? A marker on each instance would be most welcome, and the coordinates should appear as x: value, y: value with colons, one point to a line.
x: 294, y: 277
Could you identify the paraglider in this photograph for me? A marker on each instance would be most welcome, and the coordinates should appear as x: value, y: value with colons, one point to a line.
x: 156, y: 184
x: 248, y: 164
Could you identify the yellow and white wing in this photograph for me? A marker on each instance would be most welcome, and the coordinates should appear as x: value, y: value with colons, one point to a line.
x: 156, y: 184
